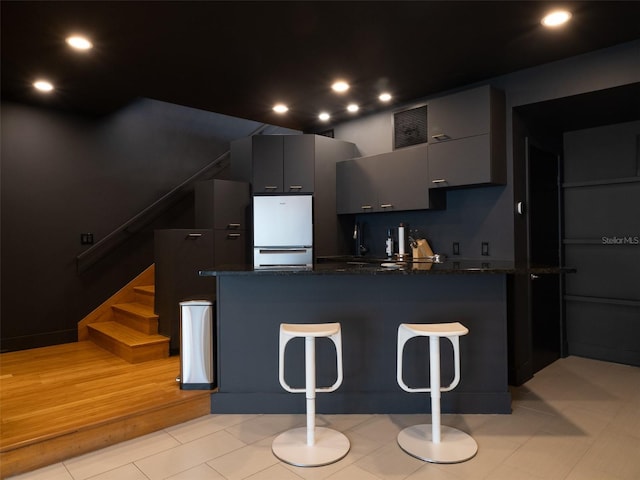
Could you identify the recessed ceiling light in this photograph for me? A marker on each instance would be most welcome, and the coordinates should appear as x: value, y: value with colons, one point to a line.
x: 43, y: 86
x: 340, y: 86
x: 79, y: 43
x: 353, y: 108
x: 385, y: 97
x: 556, y: 18
x: 280, y: 108
x: 324, y: 116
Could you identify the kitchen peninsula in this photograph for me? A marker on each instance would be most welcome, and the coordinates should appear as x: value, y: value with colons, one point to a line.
x: 370, y: 301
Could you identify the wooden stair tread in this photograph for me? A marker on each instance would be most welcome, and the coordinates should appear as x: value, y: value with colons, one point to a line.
x: 146, y: 289
x: 126, y: 335
x: 137, y: 309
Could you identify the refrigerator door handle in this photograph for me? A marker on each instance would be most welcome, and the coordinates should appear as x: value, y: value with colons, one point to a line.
x: 269, y: 251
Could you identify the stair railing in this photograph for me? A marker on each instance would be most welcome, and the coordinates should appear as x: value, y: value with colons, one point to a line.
x: 111, y: 241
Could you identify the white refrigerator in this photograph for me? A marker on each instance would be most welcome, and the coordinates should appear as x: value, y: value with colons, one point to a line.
x: 282, y: 231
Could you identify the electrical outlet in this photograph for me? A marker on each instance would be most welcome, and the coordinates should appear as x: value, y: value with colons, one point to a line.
x: 485, y: 248
x: 456, y: 248
x: 86, y: 239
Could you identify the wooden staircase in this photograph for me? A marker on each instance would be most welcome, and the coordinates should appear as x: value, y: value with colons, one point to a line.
x: 126, y: 324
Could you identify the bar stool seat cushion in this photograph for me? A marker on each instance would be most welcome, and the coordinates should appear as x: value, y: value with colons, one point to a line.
x: 435, y: 329
x: 310, y: 329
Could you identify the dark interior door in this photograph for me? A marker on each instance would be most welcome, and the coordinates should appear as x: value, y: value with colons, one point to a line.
x: 543, y: 183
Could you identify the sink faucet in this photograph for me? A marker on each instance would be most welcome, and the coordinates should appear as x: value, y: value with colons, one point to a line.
x: 360, y: 249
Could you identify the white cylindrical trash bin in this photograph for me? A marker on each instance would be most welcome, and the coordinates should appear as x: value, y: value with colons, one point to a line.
x: 196, y: 345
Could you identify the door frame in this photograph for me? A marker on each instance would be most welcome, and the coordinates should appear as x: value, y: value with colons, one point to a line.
x: 529, y: 144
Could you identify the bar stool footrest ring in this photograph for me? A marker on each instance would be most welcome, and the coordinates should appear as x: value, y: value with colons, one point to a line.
x: 291, y: 447
x: 455, y: 445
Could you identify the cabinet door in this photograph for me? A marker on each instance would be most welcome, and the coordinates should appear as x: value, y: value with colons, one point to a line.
x: 459, y: 115
x: 267, y: 163
x: 222, y: 204
x: 402, y: 179
x: 461, y: 162
x: 355, y: 190
x: 298, y: 163
x: 230, y: 247
x: 178, y: 255
x: 231, y: 203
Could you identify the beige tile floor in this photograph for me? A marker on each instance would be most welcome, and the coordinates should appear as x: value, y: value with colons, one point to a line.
x: 576, y: 419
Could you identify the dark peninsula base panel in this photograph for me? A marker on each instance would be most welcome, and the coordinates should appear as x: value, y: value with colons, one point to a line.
x: 369, y: 308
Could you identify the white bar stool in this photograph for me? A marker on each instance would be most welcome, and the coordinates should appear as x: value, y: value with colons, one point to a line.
x: 311, y: 446
x: 433, y: 442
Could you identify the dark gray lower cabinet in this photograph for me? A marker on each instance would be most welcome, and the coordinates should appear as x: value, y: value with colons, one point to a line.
x: 179, y: 255
x: 230, y: 247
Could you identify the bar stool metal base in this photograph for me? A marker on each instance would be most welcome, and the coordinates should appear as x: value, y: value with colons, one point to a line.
x: 455, y: 445
x: 329, y: 447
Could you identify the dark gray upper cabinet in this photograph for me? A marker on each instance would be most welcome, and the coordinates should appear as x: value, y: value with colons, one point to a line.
x: 467, y: 138
x: 355, y: 192
x: 394, y: 181
x: 298, y: 162
x: 275, y: 163
x: 224, y: 207
x: 267, y: 164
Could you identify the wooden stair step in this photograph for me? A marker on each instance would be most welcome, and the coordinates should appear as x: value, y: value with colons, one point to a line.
x: 128, y: 343
x: 145, y: 294
x: 137, y: 316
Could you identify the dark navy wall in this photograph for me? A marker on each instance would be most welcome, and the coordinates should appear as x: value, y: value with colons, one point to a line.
x: 63, y: 175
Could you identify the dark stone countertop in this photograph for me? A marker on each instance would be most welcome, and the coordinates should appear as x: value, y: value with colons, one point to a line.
x: 341, y: 265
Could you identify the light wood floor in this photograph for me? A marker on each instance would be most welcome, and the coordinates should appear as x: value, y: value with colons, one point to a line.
x: 63, y: 400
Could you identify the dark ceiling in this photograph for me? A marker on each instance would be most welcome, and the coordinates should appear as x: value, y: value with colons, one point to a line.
x: 239, y: 58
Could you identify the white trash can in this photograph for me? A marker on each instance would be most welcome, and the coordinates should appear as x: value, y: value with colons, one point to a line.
x: 196, y: 345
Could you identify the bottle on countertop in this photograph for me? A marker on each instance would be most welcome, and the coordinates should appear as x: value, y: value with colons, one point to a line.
x: 389, y: 244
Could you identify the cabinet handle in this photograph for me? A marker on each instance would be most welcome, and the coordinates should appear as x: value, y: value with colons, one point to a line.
x: 233, y: 226
x: 386, y: 205
x: 194, y: 235
x: 440, y: 136
x: 439, y: 180
x: 295, y: 187
x: 270, y: 187
x: 366, y: 207
x: 233, y: 235
x: 534, y: 276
